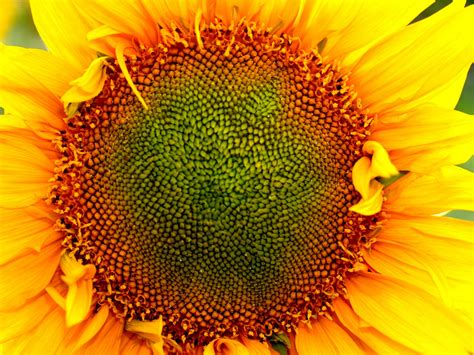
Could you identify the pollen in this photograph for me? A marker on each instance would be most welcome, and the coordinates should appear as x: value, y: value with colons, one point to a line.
x: 222, y: 205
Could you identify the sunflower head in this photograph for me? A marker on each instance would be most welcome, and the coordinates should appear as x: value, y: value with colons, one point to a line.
x: 210, y: 177
x: 222, y: 204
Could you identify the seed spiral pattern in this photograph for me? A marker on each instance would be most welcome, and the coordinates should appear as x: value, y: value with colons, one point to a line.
x: 224, y: 207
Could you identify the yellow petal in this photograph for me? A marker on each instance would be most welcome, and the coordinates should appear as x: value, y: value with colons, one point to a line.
x: 9, y: 122
x: 24, y: 319
x: 63, y: 30
x: 441, y: 247
x: 132, y: 344
x: 78, y: 277
x: 378, y: 342
x: 407, y: 314
x: 119, y: 52
x: 426, y: 138
x: 449, y: 188
x: 129, y: 18
x: 410, y: 266
x: 24, y: 277
x: 280, y: 15
x: 56, y: 296
x: 447, y: 95
x: 41, y: 79
x: 23, y: 230
x: 409, y: 67
x: 88, y: 337
x: 93, y: 326
x: 107, y: 340
x: 36, y: 67
x: 7, y: 16
x: 324, y: 337
x: 372, y: 21
x: 444, y: 229
x: 105, y: 39
x: 324, y: 20
x: 46, y: 338
x: 430, y: 157
x: 426, y: 271
x: 256, y: 347
x: 338, y: 24
x: 82, y: 335
x: 78, y: 302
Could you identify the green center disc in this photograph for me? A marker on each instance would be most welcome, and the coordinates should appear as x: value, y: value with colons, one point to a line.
x: 219, y: 186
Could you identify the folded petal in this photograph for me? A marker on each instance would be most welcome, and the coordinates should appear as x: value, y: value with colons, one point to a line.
x: 364, y: 172
x: 89, y: 85
x: 78, y: 278
x: 225, y: 347
x: 152, y: 332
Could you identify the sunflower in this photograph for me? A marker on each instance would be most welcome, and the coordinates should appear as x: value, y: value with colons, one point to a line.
x: 237, y: 177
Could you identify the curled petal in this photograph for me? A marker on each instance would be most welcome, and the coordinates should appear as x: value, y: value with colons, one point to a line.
x: 87, y: 86
x: 226, y: 347
x: 365, y: 170
x: 78, y: 277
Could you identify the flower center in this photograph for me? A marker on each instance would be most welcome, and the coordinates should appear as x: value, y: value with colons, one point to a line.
x: 223, y: 207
